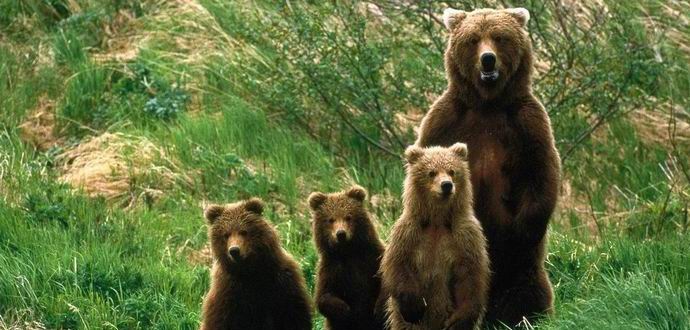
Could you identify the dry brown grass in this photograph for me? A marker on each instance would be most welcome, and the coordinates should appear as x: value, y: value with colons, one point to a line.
x: 199, y: 257
x: 123, y: 39
x: 573, y: 202
x: 119, y: 166
x: 39, y: 128
x: 656, y: 126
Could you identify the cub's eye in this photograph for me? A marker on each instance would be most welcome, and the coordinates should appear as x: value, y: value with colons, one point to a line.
x: 498, y: 39
x: 331, y: 220
x: 474, y: 40
x: 432, y: 174
x: 451, y: 173
x: 348, y: 218
x: 243, y: 233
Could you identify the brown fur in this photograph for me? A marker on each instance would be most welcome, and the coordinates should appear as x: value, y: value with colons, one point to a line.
x: 263, y: 287
x: 513, y: 161
x: 436, y: 268
x: 348, y: 286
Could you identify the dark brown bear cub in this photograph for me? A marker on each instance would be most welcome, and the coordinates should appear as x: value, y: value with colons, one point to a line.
x: 436, y: 267
x: 513, y: 160
x: 347, y: 287
x: 254, y: 283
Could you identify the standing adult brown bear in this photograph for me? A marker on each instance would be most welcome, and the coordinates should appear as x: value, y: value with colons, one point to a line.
x: 348, y: 285
x: 254, y: 283
x: 436, y: 268
x: 513, y: 161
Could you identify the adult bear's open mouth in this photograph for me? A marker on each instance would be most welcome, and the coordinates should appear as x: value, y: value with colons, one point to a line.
x: 489, y: 76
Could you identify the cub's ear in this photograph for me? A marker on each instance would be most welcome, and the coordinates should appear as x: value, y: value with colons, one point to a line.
x: 453, y: 17
x: 520, y: 14
x: 316, y: 199
x: 357, y: 193
x: 460, y: 149
x: 212, y: 212
x: 254, y: 205
x: 413, y: 153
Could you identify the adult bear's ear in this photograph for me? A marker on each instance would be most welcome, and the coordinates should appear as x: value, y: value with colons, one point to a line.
x: 520, y: 14
x: 460, y: 149
x: 357, y: 193
x: 453, y: 17
x: 413, y: 153
x: 254, y: 205
x: 316, y: 199
x: 212, y: 212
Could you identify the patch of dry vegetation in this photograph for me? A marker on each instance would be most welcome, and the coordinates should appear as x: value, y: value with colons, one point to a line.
x: 39, y: 127
x: 662, y: 125
x: 119, y: 166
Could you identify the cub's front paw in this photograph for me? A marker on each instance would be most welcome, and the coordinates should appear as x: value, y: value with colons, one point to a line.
x: 412, y: 307
x: 332, y: 307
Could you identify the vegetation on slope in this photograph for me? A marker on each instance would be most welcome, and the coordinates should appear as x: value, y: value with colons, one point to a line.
x: 120, y: 119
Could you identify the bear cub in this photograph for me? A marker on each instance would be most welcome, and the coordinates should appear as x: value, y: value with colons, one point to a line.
x: 436, y: 267
x: 255, y: 284
x: 348, y: 285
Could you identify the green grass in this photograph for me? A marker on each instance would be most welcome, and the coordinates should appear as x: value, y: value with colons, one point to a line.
x: 245, y: 111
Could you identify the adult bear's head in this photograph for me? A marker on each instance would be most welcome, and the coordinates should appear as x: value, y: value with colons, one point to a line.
x: 488, y: 49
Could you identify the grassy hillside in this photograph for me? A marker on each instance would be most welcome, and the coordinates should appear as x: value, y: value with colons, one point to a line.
x: 119, y: 120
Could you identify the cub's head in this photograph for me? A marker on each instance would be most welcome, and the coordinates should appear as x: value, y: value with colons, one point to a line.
x: 339, y: 218
x: 437, y: 174
x: 488, y: 47
x: 238, y: 232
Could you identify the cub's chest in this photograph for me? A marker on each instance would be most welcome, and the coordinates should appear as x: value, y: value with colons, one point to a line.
x: 436, y: 251
x: 346, y: 274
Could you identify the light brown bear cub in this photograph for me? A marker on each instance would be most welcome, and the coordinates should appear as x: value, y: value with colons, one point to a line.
x: 348, y: 285
x: 254, y: 283
x: 436, y: 268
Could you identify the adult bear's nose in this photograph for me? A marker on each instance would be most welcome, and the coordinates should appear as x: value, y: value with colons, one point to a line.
x: 488, y: 60
x: 446, y: 187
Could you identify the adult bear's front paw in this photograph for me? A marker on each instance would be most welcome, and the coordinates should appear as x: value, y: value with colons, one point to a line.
x: 412, y: 307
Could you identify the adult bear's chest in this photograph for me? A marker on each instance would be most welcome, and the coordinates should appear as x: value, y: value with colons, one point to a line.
x: 493, y: 144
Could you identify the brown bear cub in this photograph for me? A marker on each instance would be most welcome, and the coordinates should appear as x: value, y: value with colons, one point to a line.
x: 348, y: 286
x: 254, y: 283
x: 513, y: 161
x: 436, y: 268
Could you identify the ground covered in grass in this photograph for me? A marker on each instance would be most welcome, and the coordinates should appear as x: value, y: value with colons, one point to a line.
x: 119, y: 120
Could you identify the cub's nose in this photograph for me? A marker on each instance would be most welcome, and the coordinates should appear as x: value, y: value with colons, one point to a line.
x: 446, y: 187
x: 234, y: 252
x: 488, y: 60
x: 341, y: 235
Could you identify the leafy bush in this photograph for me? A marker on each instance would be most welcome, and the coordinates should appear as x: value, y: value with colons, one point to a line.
x: 167, y: 104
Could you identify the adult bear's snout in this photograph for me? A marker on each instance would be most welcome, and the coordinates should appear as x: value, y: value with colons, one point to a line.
x: 488, y: 61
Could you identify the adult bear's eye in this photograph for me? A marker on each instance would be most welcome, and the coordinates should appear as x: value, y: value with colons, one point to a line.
x: 348, y: 218
x: 451, y: 173
x: 331, y: 220
x: 243, y: 233
x: 432, y: 174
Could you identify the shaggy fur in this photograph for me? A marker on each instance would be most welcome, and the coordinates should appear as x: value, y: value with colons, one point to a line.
x: 436, y: 267
x: 348, y: 286
x: 513, y: 161
x: 260, y: 287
